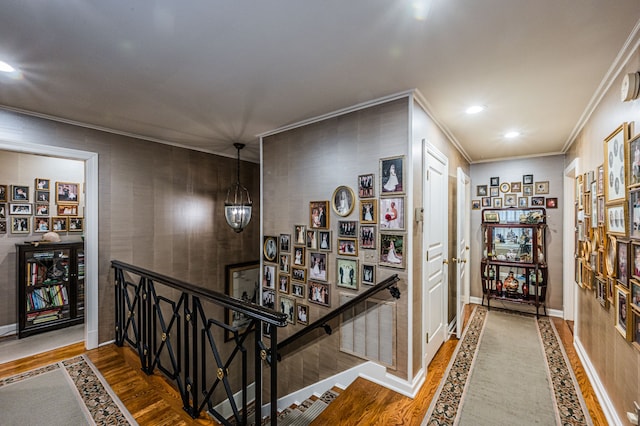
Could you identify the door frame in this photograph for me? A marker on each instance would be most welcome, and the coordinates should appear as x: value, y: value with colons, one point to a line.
x: 463, y: 289
x: 569, y: 299
x: 91, y: 224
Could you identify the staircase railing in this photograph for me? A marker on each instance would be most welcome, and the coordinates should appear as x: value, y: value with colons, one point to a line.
x: 185, y: 337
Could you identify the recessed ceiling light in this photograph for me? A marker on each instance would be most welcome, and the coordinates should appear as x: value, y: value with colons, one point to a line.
x: 5, y: 67
x: 511, y: 135
x: 475, y: 109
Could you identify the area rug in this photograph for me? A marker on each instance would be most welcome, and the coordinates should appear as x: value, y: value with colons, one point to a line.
x: 508, y: 369
x: 70, y: 392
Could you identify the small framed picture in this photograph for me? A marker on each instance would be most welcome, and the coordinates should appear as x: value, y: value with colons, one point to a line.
x: 369, y: 211
x: 392, y: 175
x: 3, y: 226
x: 347, y: 246
x: 347, y: 273
x: 537, y: 201
x: 635, y: 256
x: 20, y: 209
x: 600, y: 180
x: 298, y: 274
x: 324, y: 238
x: 319, y: 293
x: 527, y: 190
x: 636, y: 329
x: 542, y: 187
x: 67, y: 192
x: 486, y: 201
x: 601, y: 292
x: 527, y: 179
x: 270, y: 248
x: 284, y: 261
x: 490, y: 216
x: 622, y: 311
x: 312, y: 239
x: 20, y: 225
x: 297, y: 290
x: 42, y: 209
x: 616, y: 217
x: 392, y: 250
x: 497, y: 202
x: 481, y: 190
x: 634, y: 205
x: 283, y: 283
x: 615, y: 164
x: 516, y: 186
x: 300, y: 234
x: 510, y: 200
x: 343, y: 201
x: 67, y: 210
x: 367, y: 238
x: 319, y: 214
x: 505, y: 187
x: 285, y: 243
x: 288, y: 307
x: 318, y: 266
x: 523, y: 202
x: 347, y: 228
x: 266, y: 329
x: 551, y: 203
x: 76, y: 224
x: 366, y: 186
x: 268, y: 298
x: 368, y: 274
x: 392, y: 213
x: 3, y: 193
x: 302, y: 314
x: 475, y: 204
x: 494, y: 181
x: 42, y: 196
x: 3, y: 210
x: 635, y: 294
x: 41, y: 224
x: 494, y: 191
x: 43, y: 184
x: 622, y: 264
x: 299, y: 255
x: 269, y: 276
x: 19, y: 193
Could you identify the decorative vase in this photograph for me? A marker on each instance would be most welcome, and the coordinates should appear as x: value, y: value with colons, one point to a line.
x: 499, y: 287
x: 525, y: 290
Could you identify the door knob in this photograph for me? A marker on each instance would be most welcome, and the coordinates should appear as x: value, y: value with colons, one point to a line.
x: 455, y: 260
x: 446, y: 261
x: 463, y: 260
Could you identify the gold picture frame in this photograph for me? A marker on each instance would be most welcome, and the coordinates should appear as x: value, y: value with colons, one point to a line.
x: 615, y: 165
x: 343, y: 200
x: 623, y: 312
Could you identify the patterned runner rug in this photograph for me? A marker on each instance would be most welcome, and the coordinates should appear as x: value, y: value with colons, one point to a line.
x: 70, y: 392
x: 511, y: 371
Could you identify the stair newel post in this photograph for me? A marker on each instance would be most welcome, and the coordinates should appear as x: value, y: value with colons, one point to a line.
x: 274, y: 375
x: 258, y: 371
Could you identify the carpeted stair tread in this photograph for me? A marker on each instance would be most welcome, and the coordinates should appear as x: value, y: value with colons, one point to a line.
x: 303, y: 418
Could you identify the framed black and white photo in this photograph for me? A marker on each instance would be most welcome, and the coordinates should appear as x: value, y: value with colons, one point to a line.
x: 616, y: 219
x: 288, y: 307
x: 527, y: 179
x: 285, y: 243
x: 303, y: 314
x: 347, y: 228
x: 269, y: 276
x: 343, y: 201
x: 494, y: 191
x: 495, y: 181
x: 270, y: 248
x: 368, y: 274
x: 347, y: 273
x: 481, y: 190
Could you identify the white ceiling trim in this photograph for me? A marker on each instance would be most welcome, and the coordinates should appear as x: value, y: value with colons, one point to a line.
x: 518, y: 157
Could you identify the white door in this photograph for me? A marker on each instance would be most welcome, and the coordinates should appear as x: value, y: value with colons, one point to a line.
x: 461, y: 260
x: 435, y: 275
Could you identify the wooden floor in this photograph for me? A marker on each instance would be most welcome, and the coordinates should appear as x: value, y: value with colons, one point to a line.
x: 152, y: 400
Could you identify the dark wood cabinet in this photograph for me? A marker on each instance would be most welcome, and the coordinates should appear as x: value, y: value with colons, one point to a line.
x: 51, y: 284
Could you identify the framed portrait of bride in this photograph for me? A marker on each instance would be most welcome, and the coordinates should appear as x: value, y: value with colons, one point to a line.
x: 392, y: 175
x: 392, y: 250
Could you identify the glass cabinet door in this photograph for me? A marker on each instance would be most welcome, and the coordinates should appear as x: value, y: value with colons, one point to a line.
x: 47, y: 286
x: 512, y: 244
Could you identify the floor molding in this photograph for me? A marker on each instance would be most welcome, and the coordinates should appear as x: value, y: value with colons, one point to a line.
x: 551, y: 312
x: 8, y: 330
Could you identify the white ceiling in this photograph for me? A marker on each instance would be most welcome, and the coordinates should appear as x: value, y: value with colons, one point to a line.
x: 207, y: 73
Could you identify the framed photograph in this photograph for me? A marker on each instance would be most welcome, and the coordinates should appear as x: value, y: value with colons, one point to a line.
x: 67, y: 192
x: 299, y: 255
x: 368, y: 274
x: 505, y: 187
x: 59, y: 224
x: 318, y: 265
x: 347, y: 273
x: 285, y: 243
x: 20, y: 225
x: 42, y: 209
x: 475, y: 204
x: 636, y: 329
x: 319, y: 214
x: 392, y: 250
x: 269, y: 276
x: 42, y: 196
x: 266, y: 329
x: 527, y: 179
x: 601, y: 291
x: 284, y: 283
x: 268, y: 298
x: 497, y: 203
x: 241, y: 282
x: 537, y: 201
x: 284, y: 260
x: 551, y: 203
x: 611, y: 285
x: 615, y: 161
x: 490, y: 216
x: 3, y: 210
x: 392, y: 213
x: 600, y: 180
x: 300, y: 234
x: 3, y: 226
x: 41, y: 224
x: 481, y: 190
x: 297, y: 290
x: 319, y: 293
x: 312, y: 239
x: 486, y: 201
x: 523, y: 202
x: 67, y: 210
x: 343, y: 201
x: 288, y: 307
x: 347, y: 246
x: 3, y: 193
x: 298, y: 274
x: 635, y: 256
x: 302, y: 316
x: 516, y: 186
x: 601, y: 215
x: 594, y: 205
x: 635, y: 294
x: 325, y: 240
x: 510, y: 200
x: 270, y: 248
x: 634, y: 159
x: 369, y: 211
x: 348, y: 228
x: 634, y: 220
x: 20, y: 209
x: 367, y: 239
x: 392, y: 175
x: 623, y: 313
x: 617, y: 219
x: 19, y: 193
x: 76, y: 224
x: 542, y: 187
x: 42, y: 184
x: 366, y: 186
x: 527, y: 190
x: 494, y: 191
x: 622, y: 264
x: 494, y: 181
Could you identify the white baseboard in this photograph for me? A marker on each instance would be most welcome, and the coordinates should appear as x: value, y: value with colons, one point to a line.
x: 603, y: 397
x: 551, y: 312
x: 8, y: 330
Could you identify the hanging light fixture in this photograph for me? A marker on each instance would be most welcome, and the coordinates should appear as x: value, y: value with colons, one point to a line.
x: 237, y: 205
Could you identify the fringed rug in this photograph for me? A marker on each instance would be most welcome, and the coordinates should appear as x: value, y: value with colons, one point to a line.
x: 69, y: 392
x: 455, y: 403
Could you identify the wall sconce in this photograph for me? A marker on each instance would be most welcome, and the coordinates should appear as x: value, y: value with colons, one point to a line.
x: 237, y: 205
